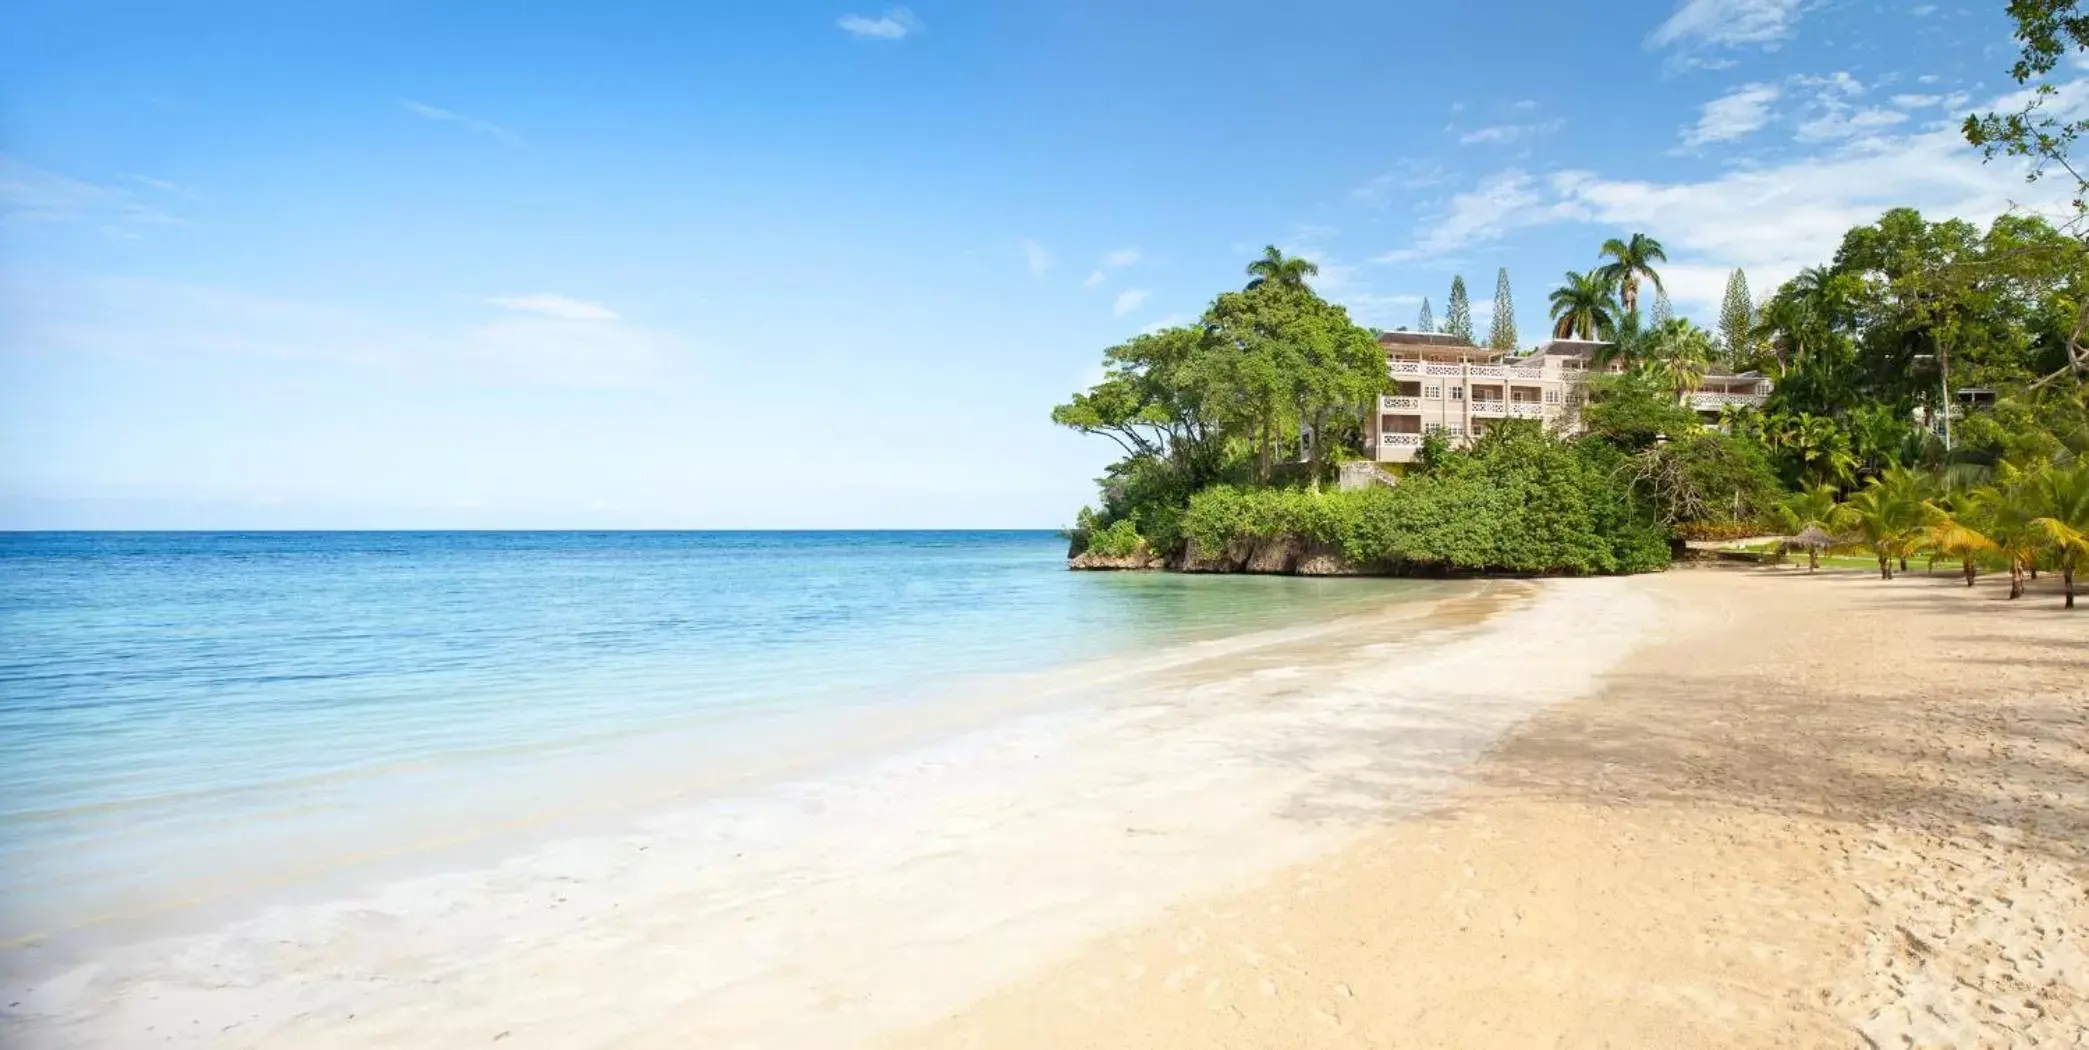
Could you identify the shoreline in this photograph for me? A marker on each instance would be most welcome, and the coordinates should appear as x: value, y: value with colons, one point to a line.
x: 1823, y: 811
x: 984, y: 852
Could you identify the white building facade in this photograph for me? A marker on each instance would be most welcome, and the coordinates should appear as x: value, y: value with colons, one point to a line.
x: 1445, y: 386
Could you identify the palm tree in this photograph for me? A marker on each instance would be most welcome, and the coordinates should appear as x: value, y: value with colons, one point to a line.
x: 1952, y: 536
x: 1822, y: 446
x: 1887, y: 517
x: 1811, y: 509
x: 2006, y: 511
x: 1630, y: 260
x: 1582, y: 307
x: 2061, y: 497
x: 1277, y: 268
x: 1682, y: 352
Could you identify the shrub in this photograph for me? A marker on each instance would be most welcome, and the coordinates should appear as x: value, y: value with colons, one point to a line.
x: 1118, y: 540
x: 1518, y: 502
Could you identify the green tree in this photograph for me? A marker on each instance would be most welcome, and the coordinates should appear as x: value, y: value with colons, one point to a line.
x: 1582, y: 307
x: 1274, y: 267
x: 2060, y: 500
x: 1887, y: 516
x: 1737, y: 317
x: 1457, y: 317
x: 1427, y: 321
x: 1682, y: 352
x: 1812, y: 508
x: 1501, y: 331
x: 1663, y: 309
x: 2050, y: 31
x: 1630, y: 261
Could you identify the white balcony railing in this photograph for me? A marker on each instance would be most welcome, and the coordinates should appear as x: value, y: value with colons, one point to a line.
x: 1404, y: 368
x: 1443, y: 370
x: 1487, y: 371
x: 1399, y: 440
x: 1526, y: 410
x: 1398, y: 402
x: 1489, y: 408
x: 1526, y: 373
x: 1715, y: 401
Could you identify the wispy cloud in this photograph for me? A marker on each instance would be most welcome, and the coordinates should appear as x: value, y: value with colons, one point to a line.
x: 1407, y: 175
x: 1121, y: 258
x: 1733, y: 115
x: 445, y: 116
x: 1036, y: 257
x: 1095, y: 280
x: 1728, y: 23
x: 548, y: 340
x: 1507, y: 133
x: 32, y: 194
x: 1168, y: 321
x: 1128, y: 300
x: 1500, y: 202
x: 897, y: 23
x: 549, y: 304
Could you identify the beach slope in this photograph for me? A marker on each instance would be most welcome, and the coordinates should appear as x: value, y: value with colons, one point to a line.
x: 1821, y: 811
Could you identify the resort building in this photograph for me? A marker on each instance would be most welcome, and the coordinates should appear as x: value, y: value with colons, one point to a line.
x: 1443, y: 385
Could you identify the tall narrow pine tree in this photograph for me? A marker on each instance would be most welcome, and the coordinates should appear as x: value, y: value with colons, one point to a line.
x: 1736, y: 317
x: 1663, y: 311
x: 1426, y: 322
x: 1501, y: 334
x: 1457, y: 318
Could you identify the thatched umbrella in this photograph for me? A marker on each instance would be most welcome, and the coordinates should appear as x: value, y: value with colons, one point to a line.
x: 1814, y: 539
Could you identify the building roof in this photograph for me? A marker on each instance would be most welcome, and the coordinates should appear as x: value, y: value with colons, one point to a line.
x: 1406, y: 338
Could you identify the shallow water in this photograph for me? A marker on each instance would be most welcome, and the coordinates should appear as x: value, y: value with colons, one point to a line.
x: 186, y: 719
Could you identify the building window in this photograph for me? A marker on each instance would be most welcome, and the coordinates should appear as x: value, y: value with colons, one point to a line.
x: 1433, y: 428
x: 1432, y: 391
x: 1457, y: 393
x: 1552, y: 397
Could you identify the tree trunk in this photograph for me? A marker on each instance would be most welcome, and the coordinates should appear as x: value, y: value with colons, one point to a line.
x: 2016, y: 578
x: 1969, y: 572
x: 1813, y: 560
x: 1885, y: 567
x: 1903, y: 564
x: 2067, y: 583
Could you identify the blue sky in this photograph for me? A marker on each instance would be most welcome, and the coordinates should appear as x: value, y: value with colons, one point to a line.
x: 358, y: 264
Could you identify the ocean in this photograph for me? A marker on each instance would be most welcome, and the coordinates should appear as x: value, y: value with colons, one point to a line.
x: 193, y: 725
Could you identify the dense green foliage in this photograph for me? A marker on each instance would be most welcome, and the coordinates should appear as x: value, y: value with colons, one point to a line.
x: 1516, y: 502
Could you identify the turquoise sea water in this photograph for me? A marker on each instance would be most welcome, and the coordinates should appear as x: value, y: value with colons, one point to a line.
x: 185, y: 714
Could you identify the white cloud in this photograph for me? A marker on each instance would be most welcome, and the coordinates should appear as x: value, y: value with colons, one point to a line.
x: 1928, y: 78
x: 1771, y: 220
x: 1036, y: 258
x: 1917, y: 101
x: 1121, y: 258
x: 1170, y: 321
x: 1094, y: 280
x: 29, y: 193
x: 1728, y: 23
x: 1923, y: 10
x: 1502, y: 201
x: 1527, y: 103
x: 1506, y: 133
x: 895, y: 24
x: 1128, y: 300
x: 1733, y: 115
x: 547, y: 304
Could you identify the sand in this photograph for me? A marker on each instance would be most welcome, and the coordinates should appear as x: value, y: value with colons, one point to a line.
x: 1822, y: 811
